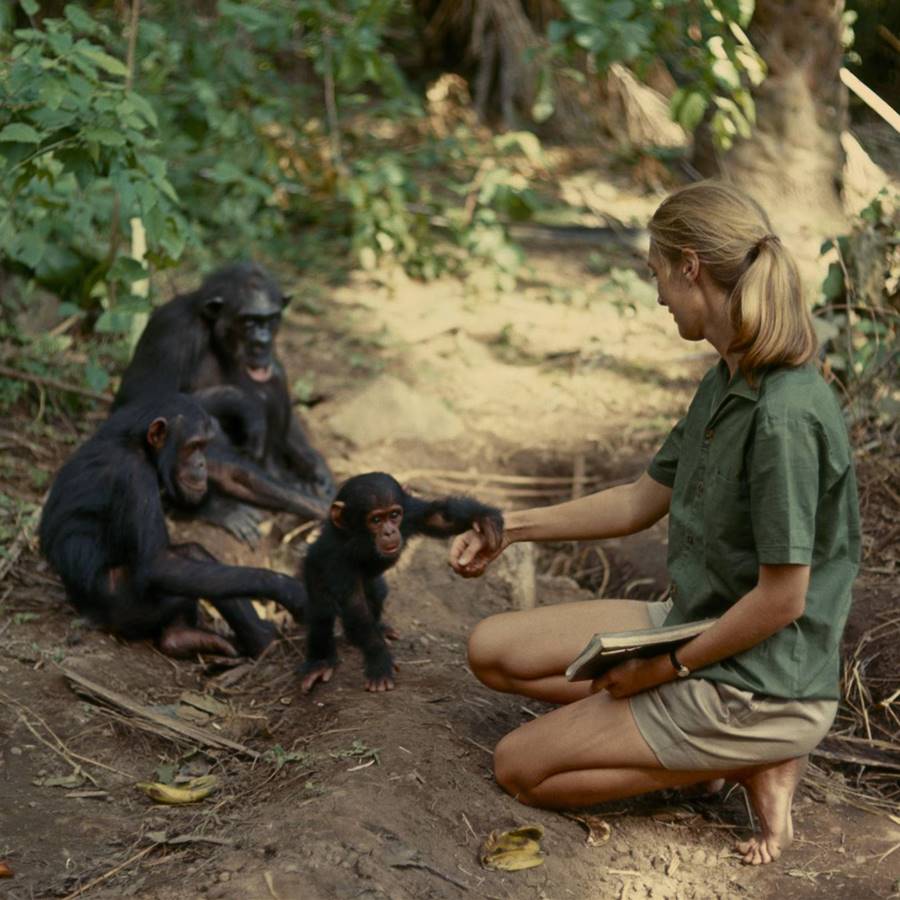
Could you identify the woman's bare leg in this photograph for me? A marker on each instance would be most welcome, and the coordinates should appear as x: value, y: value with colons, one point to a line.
x: 527, y: 652
x: 586, y: 752
x: 591, y: 751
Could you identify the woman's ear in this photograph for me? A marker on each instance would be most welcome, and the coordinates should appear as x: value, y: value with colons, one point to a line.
x: 690, y: 264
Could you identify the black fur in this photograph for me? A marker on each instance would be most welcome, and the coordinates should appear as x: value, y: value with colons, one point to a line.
x: 207, y: 343
x: 104, y: 532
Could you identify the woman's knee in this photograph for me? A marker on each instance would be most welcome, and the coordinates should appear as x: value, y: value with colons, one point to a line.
x: 487, y: 652
x: 509, y: 769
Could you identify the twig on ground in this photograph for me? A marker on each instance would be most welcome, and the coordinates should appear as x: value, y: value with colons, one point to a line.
x: 61, y: 749
x: 46, y: 381
x: 151, y: 720
x: 106, y: 875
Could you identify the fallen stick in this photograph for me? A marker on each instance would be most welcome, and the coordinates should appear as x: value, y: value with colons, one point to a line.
x: 163, y: 725
x: 109, y: 874
x: 46, y: 381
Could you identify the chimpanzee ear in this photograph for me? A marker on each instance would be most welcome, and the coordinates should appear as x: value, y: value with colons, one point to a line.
x: 337, y: 513
x: 212, y: 308
x: 157, y: 432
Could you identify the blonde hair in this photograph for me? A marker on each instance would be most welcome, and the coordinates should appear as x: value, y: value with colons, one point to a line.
x: 732, y: 236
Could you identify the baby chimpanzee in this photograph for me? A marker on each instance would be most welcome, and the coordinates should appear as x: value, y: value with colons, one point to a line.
x: 372, y: 517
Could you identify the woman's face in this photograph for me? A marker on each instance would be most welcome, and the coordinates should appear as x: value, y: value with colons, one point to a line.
x: 679, y: 292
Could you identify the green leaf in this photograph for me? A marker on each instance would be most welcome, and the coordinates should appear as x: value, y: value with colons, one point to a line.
x: 106, y: 62
x: 108, y: 137
x: 80, y: 20
x: 31, y: 7
x: 20, y: 133
x: 688, y: 108
x: 96, y: 377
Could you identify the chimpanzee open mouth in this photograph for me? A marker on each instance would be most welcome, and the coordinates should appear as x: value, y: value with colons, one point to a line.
x: 260, y: 373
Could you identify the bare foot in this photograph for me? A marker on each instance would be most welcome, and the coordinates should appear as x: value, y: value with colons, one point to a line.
x: 183, y: 641
x: 390, y: 633
x: 771, y: 792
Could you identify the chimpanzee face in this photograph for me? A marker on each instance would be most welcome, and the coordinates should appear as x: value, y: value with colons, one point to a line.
x: 252, y: 330
x: 383, y: 524
x: 180, y: 453
x: 191, y: 474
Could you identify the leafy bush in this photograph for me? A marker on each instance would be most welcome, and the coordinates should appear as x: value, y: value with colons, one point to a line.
x: 80, y: 159
x: 705, y: 44
x: 858, y: 313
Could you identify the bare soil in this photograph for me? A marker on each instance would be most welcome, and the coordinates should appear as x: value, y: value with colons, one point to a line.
x: 391, y: 796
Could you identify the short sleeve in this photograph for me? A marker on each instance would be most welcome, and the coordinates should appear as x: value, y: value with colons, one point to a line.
x: 788, y: 456
x: 663, y: 466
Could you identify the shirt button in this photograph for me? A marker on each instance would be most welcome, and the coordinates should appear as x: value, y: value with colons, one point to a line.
x: 708, y: 434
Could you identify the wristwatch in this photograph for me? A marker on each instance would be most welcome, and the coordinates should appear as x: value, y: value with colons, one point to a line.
x: 681, y: 670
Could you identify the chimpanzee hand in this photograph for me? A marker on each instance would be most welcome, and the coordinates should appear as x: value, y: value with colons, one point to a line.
x: 316, y: 670
x: 380, y: 672
x: 490, y: 527
x: 242, y: 521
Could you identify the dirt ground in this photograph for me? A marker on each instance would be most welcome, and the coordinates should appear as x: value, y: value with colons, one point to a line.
x: 344, y: 794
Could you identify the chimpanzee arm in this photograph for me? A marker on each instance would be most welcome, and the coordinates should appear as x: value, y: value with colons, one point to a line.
x: 452, y: 515
x: 242, y: 479
x: 171, y: 573
x: 231, y: 407
x: 305, y: 460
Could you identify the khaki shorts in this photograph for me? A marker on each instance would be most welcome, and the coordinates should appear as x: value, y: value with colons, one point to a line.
x: 693, y: 724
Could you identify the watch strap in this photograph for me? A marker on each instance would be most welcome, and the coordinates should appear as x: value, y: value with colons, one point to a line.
x: 680, y: 668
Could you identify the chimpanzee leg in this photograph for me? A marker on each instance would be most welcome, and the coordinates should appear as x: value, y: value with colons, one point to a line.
x: 376, y: 591
x: 253, y: 634
x: 170, y: 620
x: 321, y: 650
x: 363, y: 630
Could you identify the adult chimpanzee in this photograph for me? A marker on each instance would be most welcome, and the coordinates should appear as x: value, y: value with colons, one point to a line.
x: 371, y: 520
x: 103, y: 530
x: 217, y: 343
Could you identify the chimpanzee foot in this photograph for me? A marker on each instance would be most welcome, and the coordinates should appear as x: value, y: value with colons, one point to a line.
x: 315, y: 671
x: 390, y: 633
x: 182, y: 642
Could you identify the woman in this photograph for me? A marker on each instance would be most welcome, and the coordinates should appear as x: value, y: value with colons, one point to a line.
x: 758, y: 483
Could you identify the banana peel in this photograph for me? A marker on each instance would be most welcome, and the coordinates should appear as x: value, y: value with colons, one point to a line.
x: 512, y: 850
x: 190, y: 792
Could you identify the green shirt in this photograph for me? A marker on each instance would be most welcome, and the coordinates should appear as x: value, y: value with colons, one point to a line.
x: 764, y: 474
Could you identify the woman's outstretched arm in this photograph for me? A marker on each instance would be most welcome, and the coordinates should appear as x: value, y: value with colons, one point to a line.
x: 617, y: 511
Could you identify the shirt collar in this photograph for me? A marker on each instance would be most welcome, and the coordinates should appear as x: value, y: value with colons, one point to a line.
x: 738, y: 385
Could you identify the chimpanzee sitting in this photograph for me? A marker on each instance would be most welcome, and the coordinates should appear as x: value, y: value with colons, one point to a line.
x: 372, y: 517
x: 103, y: 530
x: 217, y: 343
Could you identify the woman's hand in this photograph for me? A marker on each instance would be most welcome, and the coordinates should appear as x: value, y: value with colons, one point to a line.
x: 472, y: 550
x: 634, y: 676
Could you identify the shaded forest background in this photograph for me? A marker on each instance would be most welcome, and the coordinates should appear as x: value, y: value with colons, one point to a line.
x: 142, y: 142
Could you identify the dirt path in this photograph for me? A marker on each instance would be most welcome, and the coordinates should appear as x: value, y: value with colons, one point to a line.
x: 391, y: 796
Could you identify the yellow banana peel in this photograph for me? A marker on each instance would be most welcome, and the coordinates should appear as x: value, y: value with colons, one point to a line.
x: 189, y: 792
x: 513, y: 850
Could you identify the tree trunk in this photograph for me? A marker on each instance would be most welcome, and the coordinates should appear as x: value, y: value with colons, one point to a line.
x: 792, y: 163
